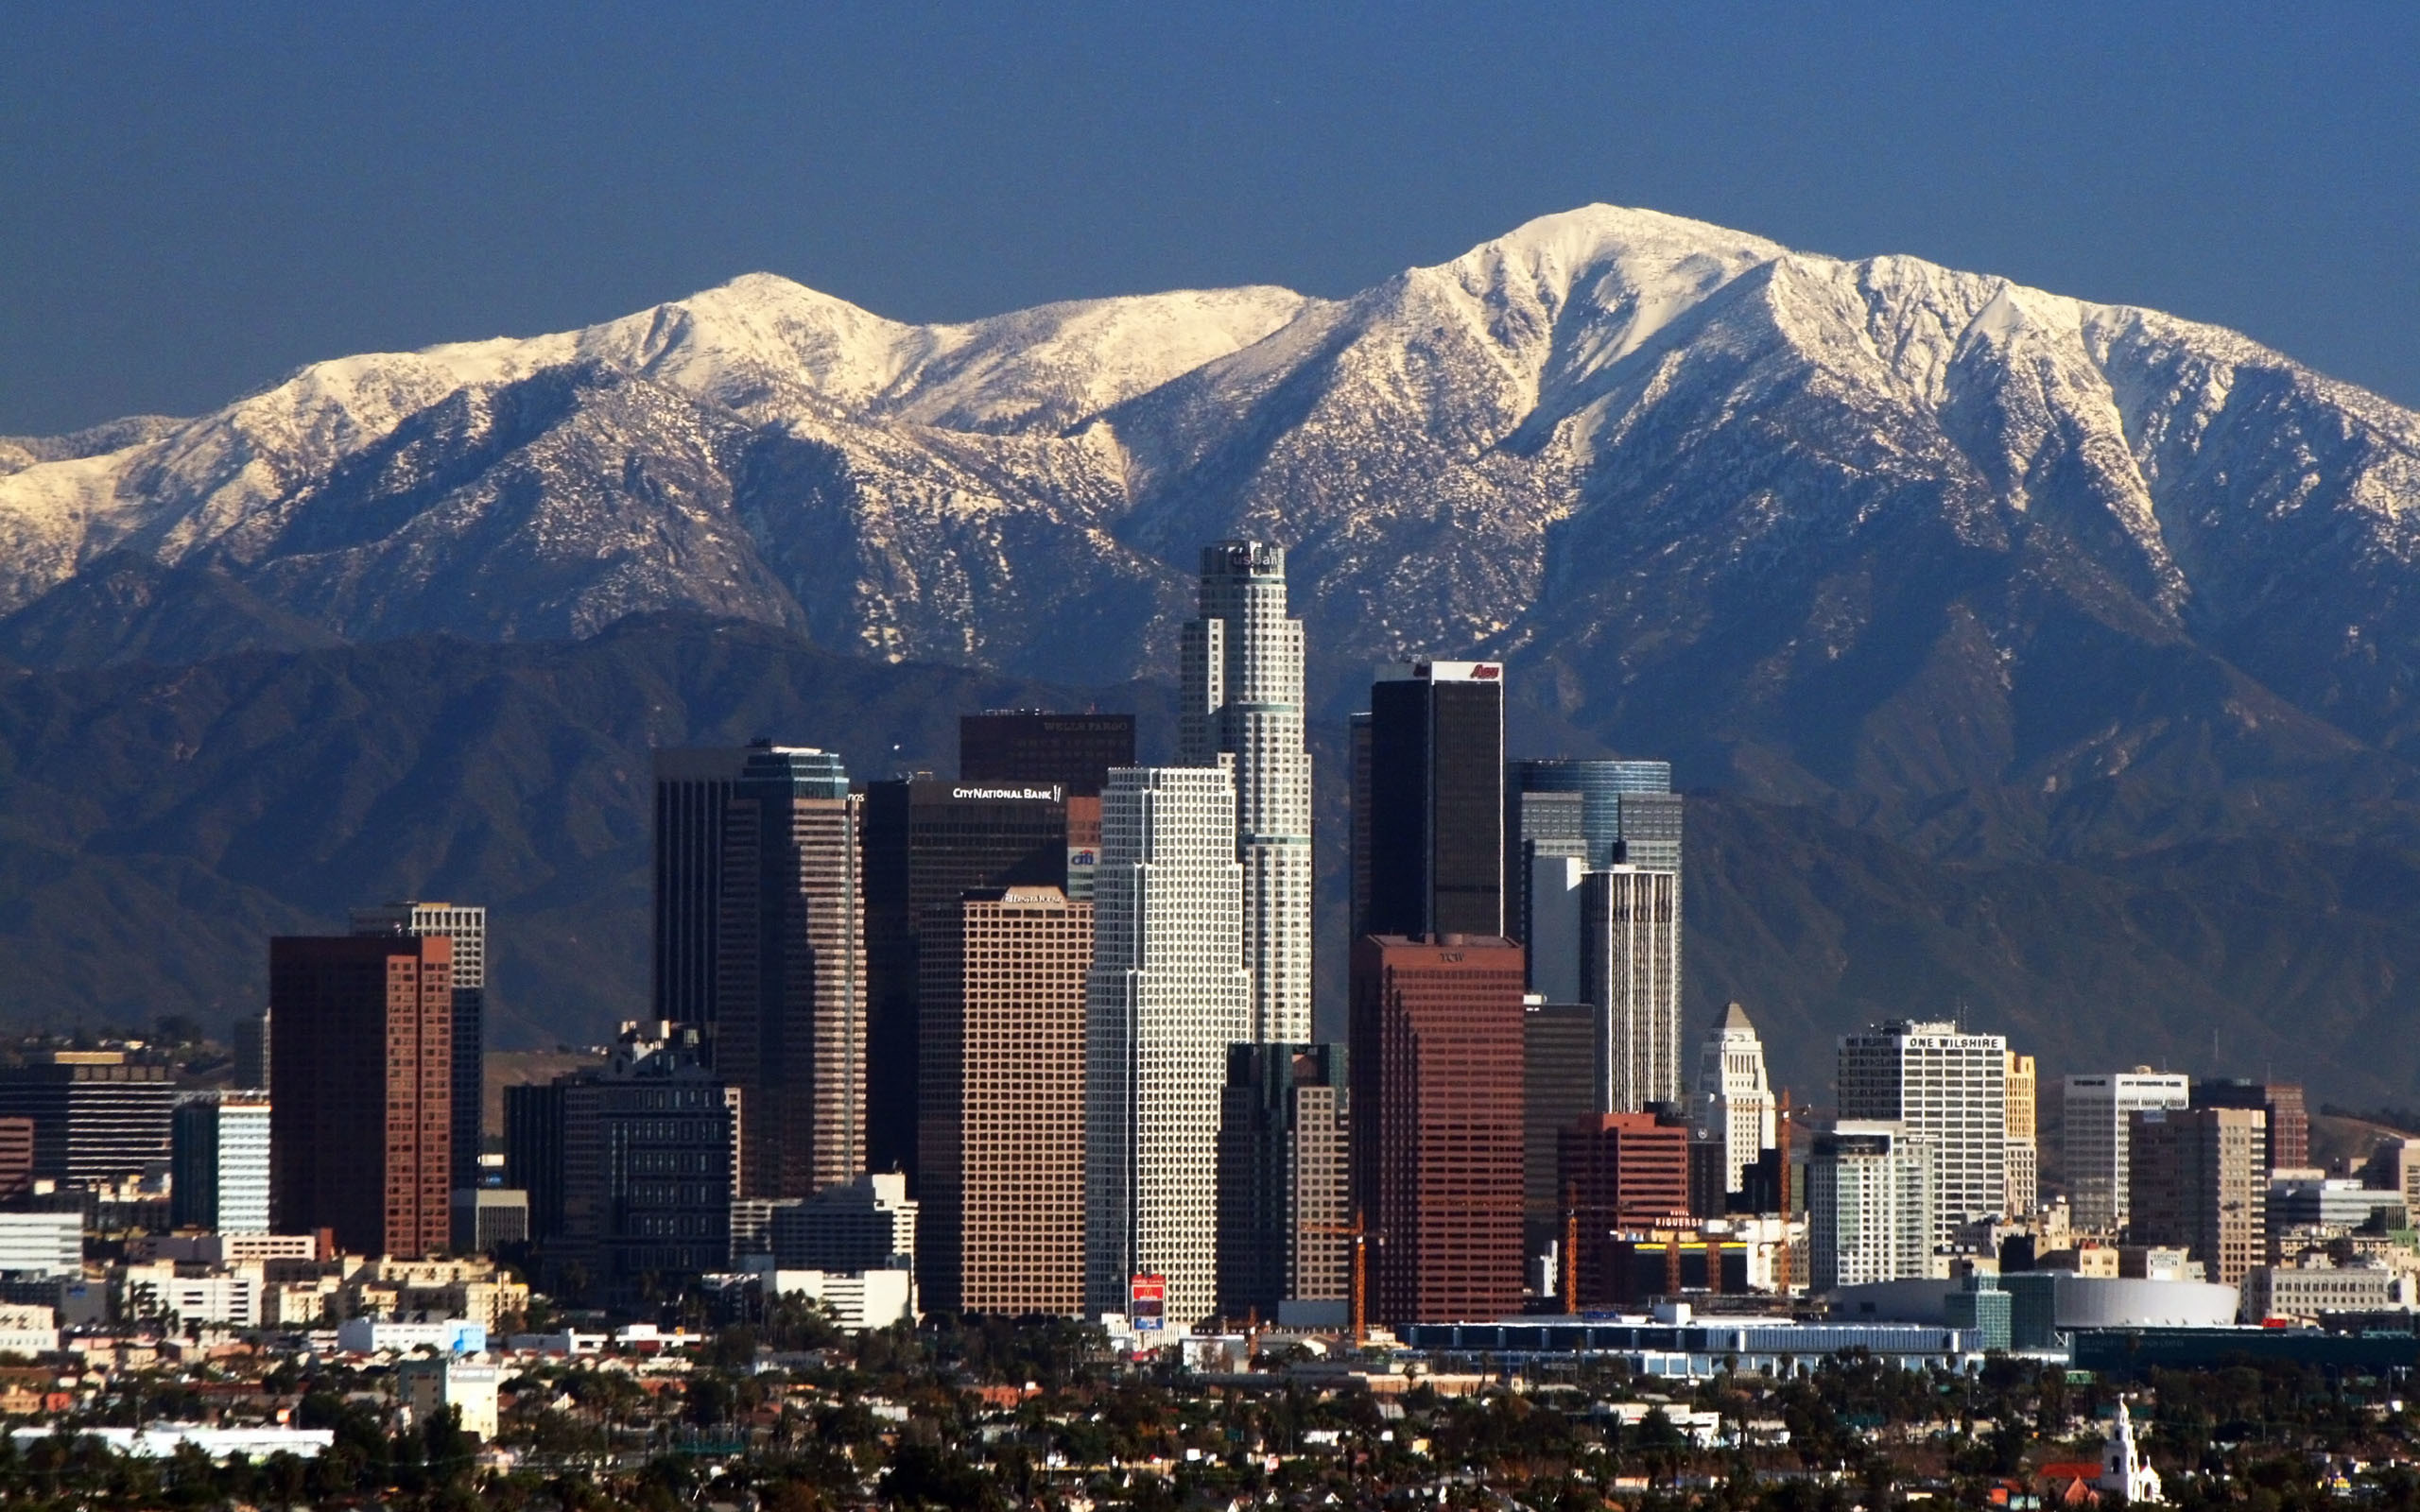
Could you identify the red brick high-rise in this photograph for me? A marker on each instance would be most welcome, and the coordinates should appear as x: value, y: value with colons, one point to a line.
x: 1437, y: 1125
x: 1622, y: 1171
x: 361, y: 1093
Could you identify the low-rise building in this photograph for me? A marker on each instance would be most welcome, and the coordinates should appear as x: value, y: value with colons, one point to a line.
x: 373, y: 1336
x: 468, y: 1387
x: 164, y: 1292
x: 857, y: 1301
x: 42, y: 1244
x: 29, y: 1328
x: 2315, y: 1288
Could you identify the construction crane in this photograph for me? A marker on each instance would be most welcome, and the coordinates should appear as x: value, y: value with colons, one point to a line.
x: 1359, y: 1232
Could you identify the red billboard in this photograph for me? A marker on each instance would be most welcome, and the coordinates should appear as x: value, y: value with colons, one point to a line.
x: 1147, y: 1303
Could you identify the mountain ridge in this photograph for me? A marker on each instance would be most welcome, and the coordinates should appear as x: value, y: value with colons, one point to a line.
x: 2036, y: 594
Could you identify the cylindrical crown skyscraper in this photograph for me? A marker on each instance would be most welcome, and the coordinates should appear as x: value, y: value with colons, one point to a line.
x: 1243, y: 695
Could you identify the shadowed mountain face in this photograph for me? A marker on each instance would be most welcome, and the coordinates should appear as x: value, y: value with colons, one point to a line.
x: 1996, y: 580
x: 157, y: 824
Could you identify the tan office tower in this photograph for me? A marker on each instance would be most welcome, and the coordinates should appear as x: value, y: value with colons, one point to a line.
x: 1629, y: 969
x: 2024, y: 1159
x: 361, y: 1090
x: 788, y: 1025
x: 1001, y: 1103
x: 1242, y: 696
x: 2198, y: 1178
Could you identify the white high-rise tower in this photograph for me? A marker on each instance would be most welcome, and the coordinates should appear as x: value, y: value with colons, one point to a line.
x: 1242, y: 697
x: 1734, y: 1107
x: 1166, y: 995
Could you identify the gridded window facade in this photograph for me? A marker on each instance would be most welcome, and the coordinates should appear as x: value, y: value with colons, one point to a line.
x: 1002, y: 1101
x: 1947, y: 1088
x: 1437, y: 1156
x: 1166, y: 995
x: 1630, y: 967
x: 1241, y: 679
x: 2096, y: 1108
x: 1869, y: 1205
x: 361, y: 1097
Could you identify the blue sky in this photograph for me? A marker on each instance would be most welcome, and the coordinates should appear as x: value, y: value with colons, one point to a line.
x: 196, y: 199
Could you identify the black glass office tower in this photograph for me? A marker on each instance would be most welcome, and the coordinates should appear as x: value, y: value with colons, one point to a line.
x: 1436, y: 805
x: 1073, y: 751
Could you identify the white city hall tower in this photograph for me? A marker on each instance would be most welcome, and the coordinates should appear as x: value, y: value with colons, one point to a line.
x: 1242, y: 697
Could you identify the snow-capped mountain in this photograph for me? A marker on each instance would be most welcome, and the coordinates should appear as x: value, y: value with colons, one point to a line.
x: 1876, y: 532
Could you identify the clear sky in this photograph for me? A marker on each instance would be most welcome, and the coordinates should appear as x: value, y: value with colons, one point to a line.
x: 195, y: 200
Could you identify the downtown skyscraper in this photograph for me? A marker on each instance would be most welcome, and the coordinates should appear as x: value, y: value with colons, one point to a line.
x: 1242, y: 696
x: 1167, y: 996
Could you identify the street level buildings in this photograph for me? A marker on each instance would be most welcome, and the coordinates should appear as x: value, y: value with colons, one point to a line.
x: 467, y: 927
x: 1241, y: 679
x: 2095, y: 1109
x: 1166, y: 995
x: 1437, y: 1051
x: 361, y: 1096
x: 1946, y: 1088
x: 1001, y: 1150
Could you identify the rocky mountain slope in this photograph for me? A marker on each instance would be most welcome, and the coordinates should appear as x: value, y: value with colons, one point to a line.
x: 2058, y: 644
x: 1874, y: 534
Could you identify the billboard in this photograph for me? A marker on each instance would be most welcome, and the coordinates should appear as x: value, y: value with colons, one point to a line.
x: 1147, y: 1303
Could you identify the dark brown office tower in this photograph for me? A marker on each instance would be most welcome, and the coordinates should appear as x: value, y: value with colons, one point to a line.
x: 1072, y: 752
x: 789, y: 1024
x: 1436, y: 1111
x: 1630, y: 1170
x: 1283, y: 1134
x: 2288, y: 1137
x: 361, y: 1064
x: 1559, y: 1086
x: 2195, y: 1178
x: 926, y: 844
x: 1626, y: 1171
x: 1437, y: 800
x: 1002, y: 1227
